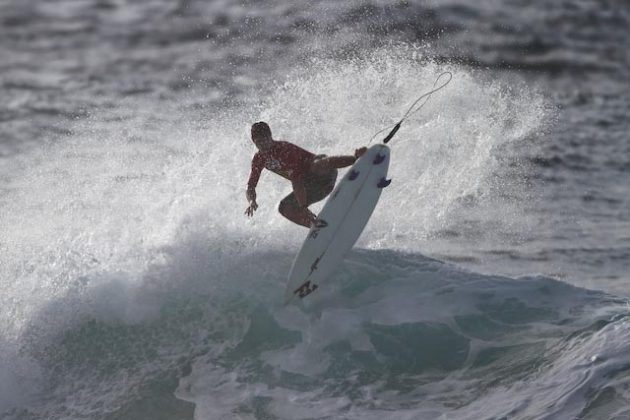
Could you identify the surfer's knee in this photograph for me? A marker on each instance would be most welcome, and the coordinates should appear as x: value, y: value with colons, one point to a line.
x: 285, y: 206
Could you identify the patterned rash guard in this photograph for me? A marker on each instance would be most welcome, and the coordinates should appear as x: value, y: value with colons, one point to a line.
x: 283, y: 158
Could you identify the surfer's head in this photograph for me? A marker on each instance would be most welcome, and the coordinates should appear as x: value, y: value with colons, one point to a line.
x: 261, y: 134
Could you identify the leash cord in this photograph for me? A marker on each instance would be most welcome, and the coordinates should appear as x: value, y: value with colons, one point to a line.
x: 411, y: 110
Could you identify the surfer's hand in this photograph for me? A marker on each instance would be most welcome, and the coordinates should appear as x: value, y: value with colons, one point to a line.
x: 359, y: 152
x: 251, y: 209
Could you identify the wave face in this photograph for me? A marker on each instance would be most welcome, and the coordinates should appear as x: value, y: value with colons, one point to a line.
x: 487, y: 285
x: 395, y: 335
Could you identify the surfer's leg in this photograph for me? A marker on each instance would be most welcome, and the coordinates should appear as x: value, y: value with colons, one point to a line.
x: 290, y: 209
x: 319, y: 186
x: 324, y: 164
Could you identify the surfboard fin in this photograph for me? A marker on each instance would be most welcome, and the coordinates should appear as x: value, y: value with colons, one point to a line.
x: 353, y: 175
x: 383, y: 183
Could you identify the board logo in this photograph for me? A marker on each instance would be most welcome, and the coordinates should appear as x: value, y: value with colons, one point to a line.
x: 314, y: 266
x: 305, y: 289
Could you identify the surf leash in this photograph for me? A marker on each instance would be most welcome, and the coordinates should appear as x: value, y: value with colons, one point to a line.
x: 413, y: 109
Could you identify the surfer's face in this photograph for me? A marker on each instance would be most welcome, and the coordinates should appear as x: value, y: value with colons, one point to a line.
x: 261, y: 141
x: 261, y: 135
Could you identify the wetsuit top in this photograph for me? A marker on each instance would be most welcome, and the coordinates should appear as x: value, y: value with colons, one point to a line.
x: 284, y: 158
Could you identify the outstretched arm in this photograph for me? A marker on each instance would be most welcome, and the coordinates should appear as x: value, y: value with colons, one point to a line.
x: 254, y: 175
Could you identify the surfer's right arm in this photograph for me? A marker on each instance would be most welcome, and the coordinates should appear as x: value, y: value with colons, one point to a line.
x: 254, y: 176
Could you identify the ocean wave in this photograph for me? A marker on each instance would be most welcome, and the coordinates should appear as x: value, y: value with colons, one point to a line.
x: 392, y: 332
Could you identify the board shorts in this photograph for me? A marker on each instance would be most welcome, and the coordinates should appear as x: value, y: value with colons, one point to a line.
x: 317, y: 187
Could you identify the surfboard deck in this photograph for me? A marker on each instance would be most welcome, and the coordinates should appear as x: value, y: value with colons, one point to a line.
x: 339, y: 224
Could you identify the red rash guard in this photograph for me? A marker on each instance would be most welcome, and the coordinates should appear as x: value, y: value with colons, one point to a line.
x: 284, y: 158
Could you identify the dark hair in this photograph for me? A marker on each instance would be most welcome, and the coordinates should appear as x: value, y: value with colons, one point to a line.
x: 261, y: 129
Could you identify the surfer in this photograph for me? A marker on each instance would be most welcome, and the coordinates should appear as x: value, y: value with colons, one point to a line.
x: 313, y: 176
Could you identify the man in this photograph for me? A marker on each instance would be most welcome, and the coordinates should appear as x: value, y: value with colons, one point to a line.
x: 312, y: 176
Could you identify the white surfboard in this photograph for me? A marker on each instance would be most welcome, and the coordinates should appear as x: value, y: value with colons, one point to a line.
x: 339, y: 224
